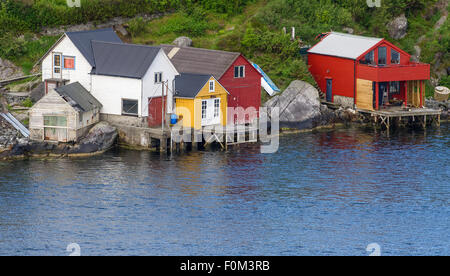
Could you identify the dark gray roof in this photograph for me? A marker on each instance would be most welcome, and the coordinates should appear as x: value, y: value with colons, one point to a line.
x: 122, y: 60
x: 189, y: 85
x: 78, y: 97
x: 201, y: 61
x: 82, y: 41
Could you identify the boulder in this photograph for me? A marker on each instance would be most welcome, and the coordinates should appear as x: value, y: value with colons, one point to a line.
x: 348, y: 30
x: 100, y: 138
x: 183, y: 41
x: 8, y: 70
x: 299, y: 105
x: 397, y: 28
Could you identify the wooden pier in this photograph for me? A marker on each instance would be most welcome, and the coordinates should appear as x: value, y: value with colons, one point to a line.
x: 398, y: 116
x: 169, y: 139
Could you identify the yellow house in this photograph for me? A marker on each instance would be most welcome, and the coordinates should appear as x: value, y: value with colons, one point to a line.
x: 200, y: 100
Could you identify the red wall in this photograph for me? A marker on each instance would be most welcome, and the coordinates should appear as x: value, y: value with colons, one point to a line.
x: 244, y: 92
x: 340, y: 70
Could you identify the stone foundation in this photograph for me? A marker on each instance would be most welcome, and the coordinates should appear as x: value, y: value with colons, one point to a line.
x: 124, y: 120
x: 344, y: 101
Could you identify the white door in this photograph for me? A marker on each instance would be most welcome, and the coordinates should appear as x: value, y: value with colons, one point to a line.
x: 57, y: 65
x: 210, y: 112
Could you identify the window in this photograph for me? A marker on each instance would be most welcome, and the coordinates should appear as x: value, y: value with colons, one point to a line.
x: 239, y: 72
x: 212, y: 86
x: 130, y: 107
x: 55, y: 121
x: 57, y: 63
x: 395, y: 57
x: 69, y: 63
x: 382, y: 56
x: 394, y: 87
x: 216, y: 108
x: 368, y: 58
x: 204, y: 107
x: 57, y: 60
x: 158, y: 77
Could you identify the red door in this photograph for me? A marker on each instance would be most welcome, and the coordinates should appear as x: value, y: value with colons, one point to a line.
x: 155, y: 111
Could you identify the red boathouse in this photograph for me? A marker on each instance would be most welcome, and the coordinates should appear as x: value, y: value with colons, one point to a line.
x: 367, y: 73
x: 232, y: 70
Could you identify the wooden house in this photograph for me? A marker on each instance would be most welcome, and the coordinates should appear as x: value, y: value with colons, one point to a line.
x: 237, y: 75
x: 65, y: 114
x: 367, y: 73
x: 200, y: 101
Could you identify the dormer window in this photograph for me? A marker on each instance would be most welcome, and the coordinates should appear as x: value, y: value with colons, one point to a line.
x: 212, y: 85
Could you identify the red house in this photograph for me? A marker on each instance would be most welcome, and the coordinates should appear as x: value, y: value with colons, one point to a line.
x: 366, y: 73
x: 232, y: 70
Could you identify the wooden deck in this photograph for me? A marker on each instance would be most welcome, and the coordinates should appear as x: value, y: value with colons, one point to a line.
x: 401, y: 112
x: 400, y: 116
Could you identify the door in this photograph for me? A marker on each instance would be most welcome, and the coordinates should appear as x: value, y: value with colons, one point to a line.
x: 210, y: 112
x: 329, y: 90
x: 57, y: 66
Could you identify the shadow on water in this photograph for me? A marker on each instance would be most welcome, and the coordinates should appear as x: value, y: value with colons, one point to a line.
x: 323, y: 193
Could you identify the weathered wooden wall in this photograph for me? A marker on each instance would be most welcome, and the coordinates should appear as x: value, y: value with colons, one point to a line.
x: 364, y: 97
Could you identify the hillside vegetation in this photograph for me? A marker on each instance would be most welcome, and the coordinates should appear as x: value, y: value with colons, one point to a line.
x: 252, y: 27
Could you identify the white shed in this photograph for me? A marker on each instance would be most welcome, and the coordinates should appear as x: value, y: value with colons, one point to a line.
x: 65, y: 114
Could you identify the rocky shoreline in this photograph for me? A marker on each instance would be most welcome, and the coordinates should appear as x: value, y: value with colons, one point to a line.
x: 98, y: 140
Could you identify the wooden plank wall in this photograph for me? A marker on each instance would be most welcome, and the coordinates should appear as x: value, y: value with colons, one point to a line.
x: 364, y: 94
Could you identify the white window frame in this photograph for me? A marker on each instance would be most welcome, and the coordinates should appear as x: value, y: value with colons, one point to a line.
x: 239, y: 72
x: 212, y: 86
x: 216, y: 108
x: 204, y: 109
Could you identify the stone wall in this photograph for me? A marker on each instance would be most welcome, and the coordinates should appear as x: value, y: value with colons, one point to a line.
x: 344, y: 101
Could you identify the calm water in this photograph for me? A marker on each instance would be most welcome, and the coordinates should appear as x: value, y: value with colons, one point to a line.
x: 323, y: 193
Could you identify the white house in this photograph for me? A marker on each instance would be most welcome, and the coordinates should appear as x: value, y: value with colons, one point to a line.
x: 71, y: 58
x: 124, y: 78
x: 127, y: 77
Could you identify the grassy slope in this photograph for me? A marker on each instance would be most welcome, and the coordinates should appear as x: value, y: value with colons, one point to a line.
x: 257, y: 33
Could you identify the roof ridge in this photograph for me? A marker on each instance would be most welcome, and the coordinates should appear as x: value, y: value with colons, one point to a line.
x: 204, y: 49
x: 360, y: 36
x: 92, y: 31
x: 126, y: 44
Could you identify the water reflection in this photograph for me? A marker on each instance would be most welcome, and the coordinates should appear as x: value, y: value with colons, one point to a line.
x: 327, y: 192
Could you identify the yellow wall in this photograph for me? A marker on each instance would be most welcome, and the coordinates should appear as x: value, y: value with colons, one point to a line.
x: 194, y: 106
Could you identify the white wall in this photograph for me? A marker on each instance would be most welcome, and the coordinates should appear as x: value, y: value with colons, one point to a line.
x: 110, y: 91
x: 161, y: 63
x: 82, y: 67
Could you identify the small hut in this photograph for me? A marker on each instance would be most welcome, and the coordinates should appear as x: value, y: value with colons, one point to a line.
x: 65, y: 114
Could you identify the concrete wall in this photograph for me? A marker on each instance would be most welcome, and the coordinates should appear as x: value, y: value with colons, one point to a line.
x: 124, y: 120
x: 82, y: 67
